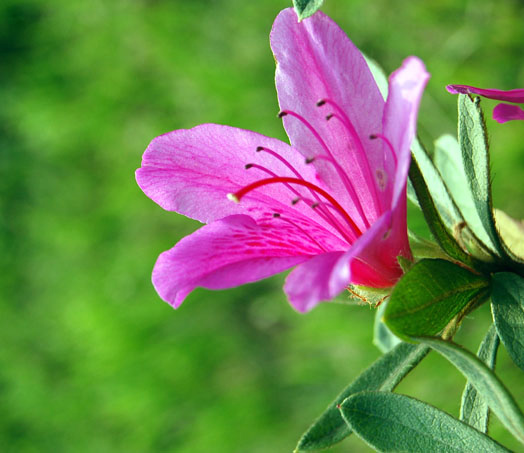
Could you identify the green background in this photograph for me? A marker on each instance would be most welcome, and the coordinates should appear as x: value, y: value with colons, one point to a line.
x: 91, y: 360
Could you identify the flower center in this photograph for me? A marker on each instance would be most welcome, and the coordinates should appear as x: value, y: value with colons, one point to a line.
x: 323, y: 204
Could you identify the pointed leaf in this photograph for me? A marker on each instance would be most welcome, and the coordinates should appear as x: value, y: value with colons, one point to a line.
x: 485, y: 382
x: 507, y: 305
x: 436, y: 187
x: 383, y: 338
x: 391, y: 423
x: 474, y: 410
x: 441, y: 219
x: 429, y: 296
x: 306, y: 8
x: 475, y: 157
x: 384, y: 374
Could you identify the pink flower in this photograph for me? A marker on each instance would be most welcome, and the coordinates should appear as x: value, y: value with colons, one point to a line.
x: 333, y: 204
x: 502, y: 112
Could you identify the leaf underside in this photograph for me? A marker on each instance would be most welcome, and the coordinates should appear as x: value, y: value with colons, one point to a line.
x: 384, y: 374
x: 392, y: 422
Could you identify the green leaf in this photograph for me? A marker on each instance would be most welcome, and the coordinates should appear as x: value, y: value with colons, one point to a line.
x: 439, y: 221
x: 391, y: 423
x: 306, y: 8
x: 449, y: 163
x: 437, y: 189
x: 384, y: 374
x: 383, y: 338
x: 507, y: 305
x: 485, y: 382
x: 474, y: 410
x: 429, y: 296
x: 512, y: 233
x: 475, y: 157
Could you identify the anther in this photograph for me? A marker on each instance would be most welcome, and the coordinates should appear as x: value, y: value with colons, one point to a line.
x: 309, y: 160
x: 248, y: 166
x: 328, y: 117
x: 259, y: 148
x: 373, y: 137
x: 276, y: 215
x: 282, y: 114
x: 315, y: 205
x: 321, y: 103
x: 233, y: 198
x: 295, y: 201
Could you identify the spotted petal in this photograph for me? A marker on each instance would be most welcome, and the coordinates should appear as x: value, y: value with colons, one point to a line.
x: 228, y: 253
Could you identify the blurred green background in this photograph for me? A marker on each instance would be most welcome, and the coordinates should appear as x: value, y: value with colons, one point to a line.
x: 91, y: 360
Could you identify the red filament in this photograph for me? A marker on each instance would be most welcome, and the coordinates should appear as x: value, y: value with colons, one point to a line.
x: 285, y: 179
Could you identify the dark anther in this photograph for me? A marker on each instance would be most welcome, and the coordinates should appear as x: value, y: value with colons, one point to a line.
x: 315, y: 205
x: 321, y: 103
x: 295, y: 201
x: 248, y: 166
x: 259, y: 148
x: 309, y: 160
x: 373, y: 137
x: 276, y: 215
x: 282, y: 114
x: 328, y: 117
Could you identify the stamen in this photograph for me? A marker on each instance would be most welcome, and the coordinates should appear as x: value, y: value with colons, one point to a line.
x: 388, y: 144
x: 276, y: 215
x: 326, y: 215
x: 346, y: 122
x: 263, y: 182
x: 342, y: 174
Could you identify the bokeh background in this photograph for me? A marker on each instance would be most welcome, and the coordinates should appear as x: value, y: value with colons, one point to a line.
x: 91, y: 360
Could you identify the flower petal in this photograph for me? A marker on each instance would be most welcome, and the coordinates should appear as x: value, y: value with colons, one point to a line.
x: 309, y: 283
x: 316, y: 60
x: 227, y: 253
x: 516, y: 96
x: 371, y: 261
x: 192, y: 171
x: 406, y: 86
x: 507, y: 112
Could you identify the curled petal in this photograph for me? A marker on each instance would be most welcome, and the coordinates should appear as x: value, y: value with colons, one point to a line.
x: 516, y: 96
x: 406, y: 86
x: 507, y: 112
x: 309, y: 283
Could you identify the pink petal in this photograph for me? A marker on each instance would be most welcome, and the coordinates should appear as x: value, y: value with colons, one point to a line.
x: 371, y: 261
x: 516, y: 96
x: 230, y: 252
x: 315, y: 60
x: 192, y: 171
x: 406, y: 86
x: 309, y: 283
x: 507, y: 112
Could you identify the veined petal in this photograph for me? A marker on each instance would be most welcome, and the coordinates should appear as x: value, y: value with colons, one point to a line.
x: 406, y: 86
x: 316, y: 60
x: 192, y: 171
x: 228, y: 253
x: 516, y: 96
x: 507, y: 112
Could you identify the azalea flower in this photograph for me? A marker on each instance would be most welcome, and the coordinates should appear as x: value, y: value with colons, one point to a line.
x: 502, y: 112
x: 333, y: 203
